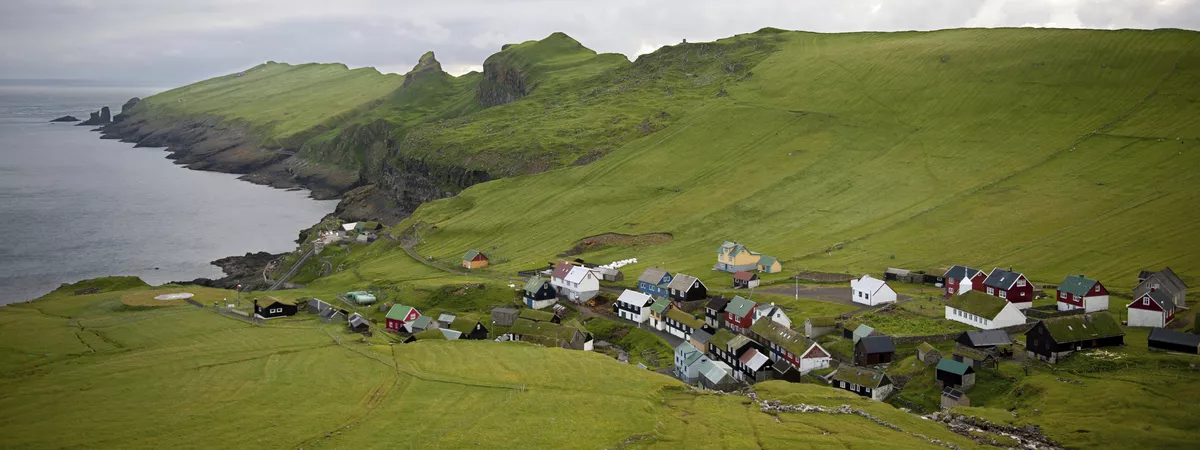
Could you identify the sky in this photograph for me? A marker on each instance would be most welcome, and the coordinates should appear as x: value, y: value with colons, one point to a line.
x: 179, y: 41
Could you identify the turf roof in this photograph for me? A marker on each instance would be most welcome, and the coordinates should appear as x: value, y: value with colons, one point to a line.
x: 1079, y: 327
x: 861, y: 376
x: 790, y: 340
x: 721, y: 338
x: 536, y: 315
x: 978, y: 303
x: 684, y: 318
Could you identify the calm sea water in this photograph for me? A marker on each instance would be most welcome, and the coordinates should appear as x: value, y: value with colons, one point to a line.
x: 73, y: 206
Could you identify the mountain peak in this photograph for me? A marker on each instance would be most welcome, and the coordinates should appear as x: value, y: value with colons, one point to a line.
x: 426, y: 65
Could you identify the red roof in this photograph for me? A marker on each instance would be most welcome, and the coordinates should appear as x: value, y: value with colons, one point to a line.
x: 561, y: 270
x: 743, y: 276
x: 815, y: 352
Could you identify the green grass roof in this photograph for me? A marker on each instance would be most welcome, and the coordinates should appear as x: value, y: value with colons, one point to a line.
x: 684, y: 318
x: 978, y: 303
x: 790, y: 340
x: 926, y: 347
x: 265, y: 301
x: 549, y: 330
x: 823, y: 321
x: 535, y: 315
x: 431, y: 334
x: 463, y: 326
x: 721, y: 338
x: 1084, y: 326
x: 861, y: 376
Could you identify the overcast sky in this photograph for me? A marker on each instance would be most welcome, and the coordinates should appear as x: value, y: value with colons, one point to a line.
x: 178, y: 41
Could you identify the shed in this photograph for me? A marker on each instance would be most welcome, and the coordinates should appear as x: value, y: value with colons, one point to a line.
x: 504, y: 317
x: 815, y: 327
x: 984, y: 339
x: 873, y: 350
x: 358, y: 323
x: 446, y: 319
x: 952, y: 397
x: 333, y: 315
x: 1173, y: 341
x: 473, y: 259
x: 894, y: 274
x: 863, y: 331
x: 977, y: 359
x: 316, y: 306
x: 745, y: 280
x: 928, y: 354
x: 952, y: 373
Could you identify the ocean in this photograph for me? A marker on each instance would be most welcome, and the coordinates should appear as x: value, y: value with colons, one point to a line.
x: 73, y: 206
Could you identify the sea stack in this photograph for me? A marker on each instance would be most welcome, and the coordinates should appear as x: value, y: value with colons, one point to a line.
x: 102, y: 117
x: 66, y: 119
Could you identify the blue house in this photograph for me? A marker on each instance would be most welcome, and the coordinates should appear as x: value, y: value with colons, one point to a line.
x: 654, y: 282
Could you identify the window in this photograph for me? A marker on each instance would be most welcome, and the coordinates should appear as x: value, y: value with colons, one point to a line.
x: 1146, y: 301
x: 1003, y: 294
x: 866, y: 296
x: 1021, y: 282
x: 991, y: 291
x: 1062, y: 294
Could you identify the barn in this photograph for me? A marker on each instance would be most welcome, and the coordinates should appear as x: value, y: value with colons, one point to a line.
x: 474, y: 260
x: 951, y: 373
x: 1053, y: 339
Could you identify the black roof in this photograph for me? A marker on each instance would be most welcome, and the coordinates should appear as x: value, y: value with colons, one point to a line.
x: 878, y: 344
x: 952, y: 393
x: 961, y: 272
x: 718, y: 303
x: 1001, y: 279
x: 1174, y: 337
x: 986, y: 338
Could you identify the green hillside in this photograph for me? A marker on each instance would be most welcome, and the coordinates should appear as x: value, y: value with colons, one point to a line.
x: 181, y: 377
x: 1051, y: 151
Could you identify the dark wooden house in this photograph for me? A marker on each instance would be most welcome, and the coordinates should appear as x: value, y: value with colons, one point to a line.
x: 1173, y: 341
x: 1053, y: 339
x: 874, y: 350
x: 745, y: 280
x: 686, y: 288
x: 714, y: 312
x: 539, y: 293
x: 271, y: 307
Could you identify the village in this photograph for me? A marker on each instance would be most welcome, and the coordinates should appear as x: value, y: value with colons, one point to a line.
x: 724, y: 340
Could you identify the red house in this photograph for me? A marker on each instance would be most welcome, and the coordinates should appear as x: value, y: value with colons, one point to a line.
x: 739, y: 314
x: 957, y: 275
x: 1011, y: 286
x: 400, y: 316
x: 1151, y: 309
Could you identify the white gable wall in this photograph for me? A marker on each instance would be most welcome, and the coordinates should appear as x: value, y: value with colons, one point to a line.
x: 1007, y: 317
x: 871, y: 291
x: 1146, y: 318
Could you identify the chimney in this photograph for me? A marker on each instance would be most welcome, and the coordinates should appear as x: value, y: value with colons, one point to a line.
x: 1152, y: 289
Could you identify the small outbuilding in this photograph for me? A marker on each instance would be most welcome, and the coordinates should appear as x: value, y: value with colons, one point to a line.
x: 358, y: 323
x: 951, y: 373
x: 815, y: 327
x: 745, y: 280
x: 473, y: 259
x: 871, y: 291
x: 867, y: 382
x: 1174, y: 341
x: 316, y: 306
x: 874, y: 350
x: 504, y: 317
x: 334, y: 315
x: 928, y: 354
x: 952, y: 397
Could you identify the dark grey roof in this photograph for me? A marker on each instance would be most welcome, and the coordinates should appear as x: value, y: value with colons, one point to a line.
x: 1165, y: 279
x: 1001, y: 279
x: 701, y: 336
x: 356, y: 320
x: 652, y: 275
x: 1159, y: 296
x: 683, y: 282
x: 878, y: 344
x: 961, y: 272
x: 718, y: 303
x: 1174, y: 337
x: 504, y: 317
x: 988, y: 338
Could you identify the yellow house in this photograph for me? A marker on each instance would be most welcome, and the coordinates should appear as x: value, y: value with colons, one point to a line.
x: 474, y: 260
x: 769, y: 264
x: 734, y: 257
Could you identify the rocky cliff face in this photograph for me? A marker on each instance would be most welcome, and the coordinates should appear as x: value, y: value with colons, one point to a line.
x: 502, y: 83
x: 426, y: 66
x: 101, y: 117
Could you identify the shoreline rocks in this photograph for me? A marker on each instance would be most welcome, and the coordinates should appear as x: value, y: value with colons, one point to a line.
x: 245, y: 270
x: 101, y: 117
x: 66, y: 119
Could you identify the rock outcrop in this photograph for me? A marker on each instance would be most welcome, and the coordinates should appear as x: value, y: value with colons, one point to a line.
x: 502, y: 83
x: 243, y: 270
x: 101, y: 117
x: 125, y: 110
x: 427, y: 65
x: 66, y: 119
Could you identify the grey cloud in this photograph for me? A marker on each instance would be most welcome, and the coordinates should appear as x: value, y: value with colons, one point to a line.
x: 179, y: 41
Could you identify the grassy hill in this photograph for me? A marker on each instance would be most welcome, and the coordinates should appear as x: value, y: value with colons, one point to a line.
x: 1051, y: 151
x: 178, y: 376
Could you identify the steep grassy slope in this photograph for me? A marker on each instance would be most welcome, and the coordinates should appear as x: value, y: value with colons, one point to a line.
x: 176, y: 376
x: 1051, y: 151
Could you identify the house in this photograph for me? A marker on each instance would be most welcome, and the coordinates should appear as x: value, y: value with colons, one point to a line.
x: 928, y: 354
x: 986, y: 340
x: 474, y: 260
x: 361, y: 297
x: 539, y: 293
x: 316, y: 306
x: 364, y: 227
x: 952, y: 397
x: 951, y: 373
x: 686, y: 288
x: 700, y: 339
x: 717, y: 376
x: 980, y: 310
x: 714, y: 312
x: 422, y: 323
x: 504, y: 317
x: 871, y: 291
x: 445, y: 319
x: 580, y: 285
x: 558, y: 276
x: 975, y: 358
x: 654, y: 281
x: 467, y: 329
x: 680, y: 324
x: 400, y: 316
x: 551, y: 335
x: 718, y: 346
x: 687, y: 362
x: 785, y: 345
x: 358, y: 323
x: 867, y: 382
x: 755, y: 365
x: 609, y: 274
x: 333, y: 315
x: 773, y: 313
x: 873, y: 350
x: 731, y: 349
x: 1053, y: 339
x: 632, y: 306
x: 735, y: 257
x: 960, y: 279
x: 538, y: 316
x: 1164, y: 280
x: 1080, y: 292
x: 863, y: 331
x: 1153, y: 308
x: 1011, y: 286
x: 1173, y: 341
x: 271, y: 307
x: 739, y: 314
x: 815, y: 327
x: 745, y: 280
x: 656, y: 313
x: 366, y: 237
x: 768, y: 264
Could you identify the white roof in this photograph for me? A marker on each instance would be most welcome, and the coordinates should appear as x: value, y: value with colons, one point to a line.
x: 870, y: 284
x: 756, y: 362
x: 577, y: 274
x: 349, y: 226
x: 634, y: 298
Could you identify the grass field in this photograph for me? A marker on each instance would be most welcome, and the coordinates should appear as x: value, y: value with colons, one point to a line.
x: 178, y: 376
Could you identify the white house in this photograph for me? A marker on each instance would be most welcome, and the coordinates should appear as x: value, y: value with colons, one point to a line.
x: 559, y: 274
x: 633, y: 306
x: 984, y: 311
x: 580, y: 284
x: 1154, y: 308
x: 688, y: 361
x: 871, y: 291
x: 1080, y: 292
x: 773, y: 312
